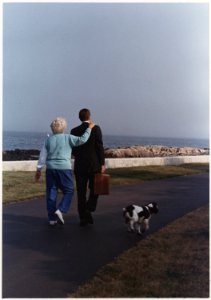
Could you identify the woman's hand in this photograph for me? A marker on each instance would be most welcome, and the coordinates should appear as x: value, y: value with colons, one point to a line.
x: 37, y: 175
x: 91, y: 124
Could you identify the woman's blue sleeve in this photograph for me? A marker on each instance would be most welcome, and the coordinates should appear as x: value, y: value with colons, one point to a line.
x: 79, y: 140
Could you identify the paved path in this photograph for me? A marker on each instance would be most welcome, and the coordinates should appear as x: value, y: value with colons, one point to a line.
x: 44, y: 262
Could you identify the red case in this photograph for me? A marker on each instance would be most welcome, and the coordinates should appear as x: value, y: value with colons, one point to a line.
x: 102, y: 183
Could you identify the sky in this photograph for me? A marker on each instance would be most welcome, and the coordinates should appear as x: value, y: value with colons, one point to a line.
x: 141, y: 68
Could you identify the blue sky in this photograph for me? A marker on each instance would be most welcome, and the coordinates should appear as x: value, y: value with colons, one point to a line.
x: 141, y: 68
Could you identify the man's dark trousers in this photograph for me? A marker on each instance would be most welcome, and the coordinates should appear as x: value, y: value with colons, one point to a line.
x: 89, y: 159
x: 84, y: 206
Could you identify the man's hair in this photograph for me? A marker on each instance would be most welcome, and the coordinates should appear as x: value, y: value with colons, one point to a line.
x: 84, y: 114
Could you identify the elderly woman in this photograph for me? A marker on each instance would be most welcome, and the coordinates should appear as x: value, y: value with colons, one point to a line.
x: 56, y: 155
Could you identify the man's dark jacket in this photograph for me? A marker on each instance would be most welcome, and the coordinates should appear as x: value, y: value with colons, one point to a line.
x: 89, y: 157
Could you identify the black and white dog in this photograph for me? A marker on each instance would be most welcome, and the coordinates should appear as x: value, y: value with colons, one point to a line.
x: 137, y: 217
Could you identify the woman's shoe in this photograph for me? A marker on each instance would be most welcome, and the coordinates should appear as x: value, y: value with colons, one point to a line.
x: 52, y: 223
x: 60, y: 216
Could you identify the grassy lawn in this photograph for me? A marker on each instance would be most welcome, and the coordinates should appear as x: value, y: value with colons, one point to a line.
x: 123, y: 176
x: 173, y: 262
x: 21, y: 185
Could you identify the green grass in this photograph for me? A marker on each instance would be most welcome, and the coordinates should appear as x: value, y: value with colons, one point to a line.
x: 173, y: 262
x: 21, y: 185
x: 123, y: 176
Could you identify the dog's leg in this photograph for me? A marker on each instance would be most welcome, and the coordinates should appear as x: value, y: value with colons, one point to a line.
x: 131, y: 226
x: 138, y: 227
x: 146, y: 225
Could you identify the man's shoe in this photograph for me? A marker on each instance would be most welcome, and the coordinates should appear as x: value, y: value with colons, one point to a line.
x: 52, y: 223
x: 89, y: 218
x: 83, y: 223
x: 60, y: 216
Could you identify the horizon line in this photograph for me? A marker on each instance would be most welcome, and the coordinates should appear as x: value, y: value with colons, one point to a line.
x: 120, y: 135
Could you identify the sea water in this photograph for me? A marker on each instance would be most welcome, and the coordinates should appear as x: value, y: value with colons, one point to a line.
x: 35, y: 140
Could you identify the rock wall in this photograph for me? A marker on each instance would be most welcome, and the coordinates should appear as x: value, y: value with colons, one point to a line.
x: 154, y: 151
x: 18, y: 154
x: 135, y: 151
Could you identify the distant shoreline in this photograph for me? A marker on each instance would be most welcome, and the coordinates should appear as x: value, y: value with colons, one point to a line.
x: 124, y: 152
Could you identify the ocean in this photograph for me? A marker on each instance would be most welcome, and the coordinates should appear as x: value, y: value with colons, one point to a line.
x: 35, y: 140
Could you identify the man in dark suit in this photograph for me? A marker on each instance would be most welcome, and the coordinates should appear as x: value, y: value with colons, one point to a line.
x: 89, y: 160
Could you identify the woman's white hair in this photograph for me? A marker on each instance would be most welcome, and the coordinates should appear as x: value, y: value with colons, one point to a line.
x: 58, y: 125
